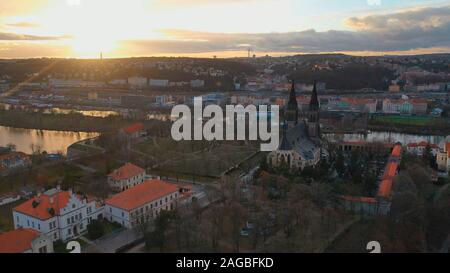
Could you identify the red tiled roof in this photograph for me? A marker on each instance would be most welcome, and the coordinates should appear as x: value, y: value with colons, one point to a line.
x: 134, y: 128
x: 141, y: 194
x: 397, y: 151
x: 17, y: 241
x: 391, y: 170
x: 41, y: 211
x: 127, y: 171
x: 385, y: 189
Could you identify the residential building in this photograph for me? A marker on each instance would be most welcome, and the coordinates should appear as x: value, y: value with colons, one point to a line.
x: 443, y: 158
x: 138, y: 82
x: 25, y: 240
x: 126, y: 177
x: 9, y: 198
x: 419, y: 148
x: 134, y: 131
x: 158, y: 83
x: 141, y: 203
x: 57, y: 214
x: 197, y: 83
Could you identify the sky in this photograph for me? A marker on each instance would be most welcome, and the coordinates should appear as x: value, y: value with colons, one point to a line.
x: 223, y: 28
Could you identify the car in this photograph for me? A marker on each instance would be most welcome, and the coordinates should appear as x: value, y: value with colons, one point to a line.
x: 245, y: 232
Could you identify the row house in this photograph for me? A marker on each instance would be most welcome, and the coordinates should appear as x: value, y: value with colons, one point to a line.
x: 419, y: 148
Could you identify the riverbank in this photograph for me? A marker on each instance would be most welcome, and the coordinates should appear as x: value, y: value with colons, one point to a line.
x: 74, y: 122
x: 410, y: 124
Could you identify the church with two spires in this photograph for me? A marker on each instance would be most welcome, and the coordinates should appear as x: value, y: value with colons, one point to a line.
x: 300, y: 145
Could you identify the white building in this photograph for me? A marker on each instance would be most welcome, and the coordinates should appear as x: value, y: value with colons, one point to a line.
x: 197, y: 83
x: 443, y: 158
x: 137, y: 82
x: 9, y: 198
x: 419, y: 148
x: 141, y: 203
x: 57, y: 214
x: 25, y: 241
x: 158, y: 83
x: 126, y: 177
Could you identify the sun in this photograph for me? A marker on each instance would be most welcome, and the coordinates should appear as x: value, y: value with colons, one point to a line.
x: 90, y: 46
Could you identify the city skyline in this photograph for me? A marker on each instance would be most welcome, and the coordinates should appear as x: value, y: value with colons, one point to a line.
x: 225, y: 28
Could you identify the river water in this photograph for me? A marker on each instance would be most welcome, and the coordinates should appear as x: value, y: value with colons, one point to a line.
x: 27, y: 140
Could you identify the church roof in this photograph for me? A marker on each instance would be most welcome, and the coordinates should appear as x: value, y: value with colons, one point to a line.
x: 285, y: 145
x: 298, y: 140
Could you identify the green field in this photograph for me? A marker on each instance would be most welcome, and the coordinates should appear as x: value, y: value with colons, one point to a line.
x: 409, y: 120
x: 195, y: 157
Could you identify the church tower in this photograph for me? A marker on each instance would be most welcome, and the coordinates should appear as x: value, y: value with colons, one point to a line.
x: 312, y: 122
x: 291, y: 115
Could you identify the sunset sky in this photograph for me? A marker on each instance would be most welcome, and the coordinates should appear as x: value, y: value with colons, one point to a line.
x: 122, y: 28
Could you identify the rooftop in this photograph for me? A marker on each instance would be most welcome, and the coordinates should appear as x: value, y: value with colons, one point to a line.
x: 141, y: 194
x: 40, y: 206
x: 17, y: 241
x: 127, y: 171
x: 134, y: 128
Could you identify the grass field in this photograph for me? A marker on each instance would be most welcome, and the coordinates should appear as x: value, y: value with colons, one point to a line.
x: 410, y: 120
x: 195, y: 157
x: 6, y: 218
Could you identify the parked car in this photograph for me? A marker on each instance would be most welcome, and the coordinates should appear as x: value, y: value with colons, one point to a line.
x: 245, y: 232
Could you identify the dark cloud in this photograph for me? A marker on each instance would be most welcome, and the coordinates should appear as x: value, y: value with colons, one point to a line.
x: 408, y: 30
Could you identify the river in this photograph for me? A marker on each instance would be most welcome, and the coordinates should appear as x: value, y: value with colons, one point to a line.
x: 26, y: 140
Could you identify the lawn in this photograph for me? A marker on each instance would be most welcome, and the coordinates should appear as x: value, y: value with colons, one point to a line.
x: 410, y: 120
x: 196, y: 157
x: 6, y: 218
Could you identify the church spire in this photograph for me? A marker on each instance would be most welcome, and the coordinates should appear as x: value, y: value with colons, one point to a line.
x: 314, y: 103
x: 292, y: 95
x: 292, y: 107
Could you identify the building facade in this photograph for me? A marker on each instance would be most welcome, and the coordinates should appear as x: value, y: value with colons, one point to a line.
x: 25, y: 240
x: 60, y: 215
x: 141, y: 203
x: 300, y: 144
x: 126, y: 177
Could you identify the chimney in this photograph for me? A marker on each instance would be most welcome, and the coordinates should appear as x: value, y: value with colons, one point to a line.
x: 51, y: 199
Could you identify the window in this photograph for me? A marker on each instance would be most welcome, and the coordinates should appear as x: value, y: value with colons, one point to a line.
x: 166, y: 199
x: 160, y: 202
x: 69, y: 231
x: 123, y: 215
x: 39, y: 226
x: 68, y: 221
x: 80, y: 216
x: 55, y: 235
x: 43, y: 249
